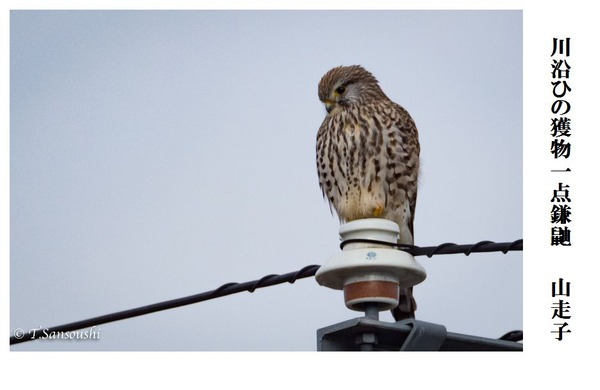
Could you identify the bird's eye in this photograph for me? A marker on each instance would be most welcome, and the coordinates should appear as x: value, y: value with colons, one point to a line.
x: 340, y: 90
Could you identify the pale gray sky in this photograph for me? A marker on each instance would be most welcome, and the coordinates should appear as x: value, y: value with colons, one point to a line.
x: 156, y: 155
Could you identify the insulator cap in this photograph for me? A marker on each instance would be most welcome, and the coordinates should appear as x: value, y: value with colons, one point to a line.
x: 370, y: 274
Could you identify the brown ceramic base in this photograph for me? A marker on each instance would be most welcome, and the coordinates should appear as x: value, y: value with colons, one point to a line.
x: 385, y: 294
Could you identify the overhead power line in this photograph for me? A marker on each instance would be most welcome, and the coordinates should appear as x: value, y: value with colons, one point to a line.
x: 265, y: 281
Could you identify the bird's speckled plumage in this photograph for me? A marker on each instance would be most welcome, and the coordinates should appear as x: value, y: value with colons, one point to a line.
x: 367, y: 152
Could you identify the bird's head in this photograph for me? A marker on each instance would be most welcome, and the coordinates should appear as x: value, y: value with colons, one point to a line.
x: 346, y: 85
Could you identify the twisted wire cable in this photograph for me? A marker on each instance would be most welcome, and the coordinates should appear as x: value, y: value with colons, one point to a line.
x: 265, y: 281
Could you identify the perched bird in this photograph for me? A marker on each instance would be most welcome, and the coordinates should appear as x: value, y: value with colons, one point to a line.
x: 368, y: 156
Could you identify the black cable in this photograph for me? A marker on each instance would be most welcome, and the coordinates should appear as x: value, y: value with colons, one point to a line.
x: 482, y: 246
x: 265, y: 281
x: 514, y: 335
x: 446, y: 248
x: 226, y: 289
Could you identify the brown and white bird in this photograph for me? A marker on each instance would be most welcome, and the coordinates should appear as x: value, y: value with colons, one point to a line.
x: 368, y: 156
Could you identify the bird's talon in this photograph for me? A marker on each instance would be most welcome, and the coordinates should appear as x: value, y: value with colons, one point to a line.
x: 378, y: 211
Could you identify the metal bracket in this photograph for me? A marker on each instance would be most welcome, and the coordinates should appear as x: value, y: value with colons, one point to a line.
x: 424, y: 336
x: 367, y: 334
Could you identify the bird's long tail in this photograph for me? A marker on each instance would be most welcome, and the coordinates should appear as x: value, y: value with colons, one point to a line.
x: 406, y: 305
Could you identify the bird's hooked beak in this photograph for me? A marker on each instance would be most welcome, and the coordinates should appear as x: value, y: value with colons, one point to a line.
x: 328, y: 105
